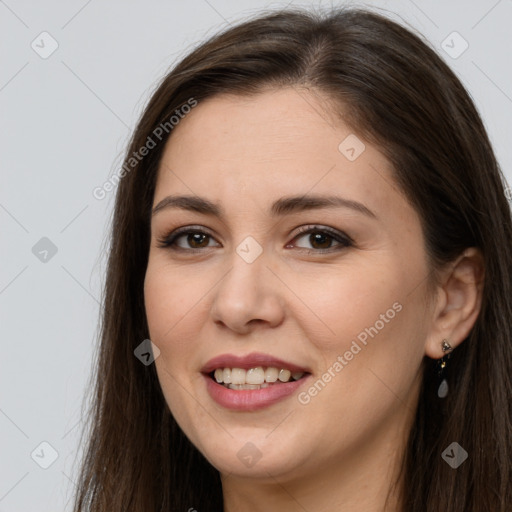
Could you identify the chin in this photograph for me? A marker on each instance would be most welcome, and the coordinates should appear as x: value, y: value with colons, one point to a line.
x: 254, y: 455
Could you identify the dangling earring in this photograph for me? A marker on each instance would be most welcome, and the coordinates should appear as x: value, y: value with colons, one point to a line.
x: 442, y: 391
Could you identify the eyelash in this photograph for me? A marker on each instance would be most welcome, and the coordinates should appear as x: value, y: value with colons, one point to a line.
x: 341, y: 238
x: 168, y: 241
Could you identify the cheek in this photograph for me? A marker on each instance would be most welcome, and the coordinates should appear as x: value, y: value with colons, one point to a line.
x: 171, y: 307
x: 171, y: 300
x: 172, y: 325
x: 370, y: 366
x: 341, y: 305
x: 370, y: 318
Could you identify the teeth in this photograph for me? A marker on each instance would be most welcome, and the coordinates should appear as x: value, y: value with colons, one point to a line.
x: 271, y: 374
x: 284, y: 375
x: 226, y: 376
x: 248, y: 386
x: 238, y: 376
x: 254, y: 378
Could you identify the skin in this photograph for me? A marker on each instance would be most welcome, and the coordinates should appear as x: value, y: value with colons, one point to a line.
x: 341, y: 449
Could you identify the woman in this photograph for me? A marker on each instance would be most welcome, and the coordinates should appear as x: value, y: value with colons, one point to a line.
x: 312, y: 230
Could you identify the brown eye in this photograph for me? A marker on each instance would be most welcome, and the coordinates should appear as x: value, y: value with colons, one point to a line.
x: 322, y: 239
x: 197, y: 240
x: 187, y: 239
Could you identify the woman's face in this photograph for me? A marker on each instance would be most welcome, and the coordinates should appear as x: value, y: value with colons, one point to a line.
x: 299, y: 256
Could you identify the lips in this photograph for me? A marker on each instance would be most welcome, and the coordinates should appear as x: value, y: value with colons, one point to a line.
x: 252, y: 397
x: 251, y: 361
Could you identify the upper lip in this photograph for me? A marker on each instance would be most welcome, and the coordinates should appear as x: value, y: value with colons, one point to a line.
x: 248, y: 361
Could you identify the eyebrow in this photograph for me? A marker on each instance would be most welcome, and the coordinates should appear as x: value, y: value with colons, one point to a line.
x: 282, y: 206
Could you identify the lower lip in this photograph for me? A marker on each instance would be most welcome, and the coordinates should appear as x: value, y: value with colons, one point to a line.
x: 250, y: 399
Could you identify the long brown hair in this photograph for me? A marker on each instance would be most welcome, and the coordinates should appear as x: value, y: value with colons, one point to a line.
x: 397, y: 93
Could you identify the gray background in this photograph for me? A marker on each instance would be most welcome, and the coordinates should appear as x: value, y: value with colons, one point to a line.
x: 65, y: 120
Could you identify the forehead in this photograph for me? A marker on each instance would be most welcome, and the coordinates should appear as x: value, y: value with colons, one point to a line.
x: 240, y: 149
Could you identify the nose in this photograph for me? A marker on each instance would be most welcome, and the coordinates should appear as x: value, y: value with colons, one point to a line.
x: 248, y: 297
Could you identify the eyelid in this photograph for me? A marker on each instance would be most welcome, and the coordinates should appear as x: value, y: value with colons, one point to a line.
x: 335, y: 233
x: 168, y: 239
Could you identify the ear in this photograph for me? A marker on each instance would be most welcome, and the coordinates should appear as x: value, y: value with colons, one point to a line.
x: 457, y: 303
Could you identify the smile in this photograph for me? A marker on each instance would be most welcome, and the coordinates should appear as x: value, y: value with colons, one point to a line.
x: 253, y: 381
x: 254, y: 378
